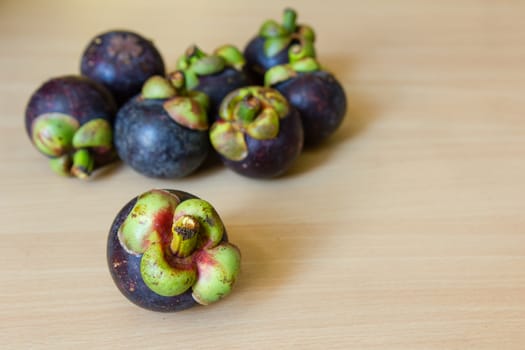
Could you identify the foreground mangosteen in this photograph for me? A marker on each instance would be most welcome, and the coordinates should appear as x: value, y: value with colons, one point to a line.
x: 270, y: 47
x: 122, y: 61
x: 168, y: 250
x: 69, y: 119
x: 258, y: 133
x: 163, y: 132
x: 215, y: 75
x: 315, y: 93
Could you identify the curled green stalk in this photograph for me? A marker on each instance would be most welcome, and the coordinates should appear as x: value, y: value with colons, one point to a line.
x: 181, y: 245
x: 70, y: 145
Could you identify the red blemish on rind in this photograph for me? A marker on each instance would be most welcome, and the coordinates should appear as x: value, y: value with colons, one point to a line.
x: 162, y: 223
x: 204, y: 262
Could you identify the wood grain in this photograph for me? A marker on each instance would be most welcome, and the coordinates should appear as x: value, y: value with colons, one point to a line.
x: 404, y: 231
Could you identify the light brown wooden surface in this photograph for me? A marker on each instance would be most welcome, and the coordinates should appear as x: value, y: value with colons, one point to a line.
x: 405, y: 231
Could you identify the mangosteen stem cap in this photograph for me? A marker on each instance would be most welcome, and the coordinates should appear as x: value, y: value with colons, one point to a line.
x: 289, y: 20
x: 83, y: 164
x: 185, y: 236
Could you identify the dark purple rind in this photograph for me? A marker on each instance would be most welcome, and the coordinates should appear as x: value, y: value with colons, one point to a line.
x: 321, y: 102
x: 124, y: 78
x: 125, y: 269
x: 153, y: 144
x: 257, y: 63
x: 78, y: 96
x: 271, y: 158
x: 217, y: 86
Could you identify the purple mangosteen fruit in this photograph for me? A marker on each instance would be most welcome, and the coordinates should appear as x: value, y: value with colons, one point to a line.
x: 122, y: 61
x: 69, y: 119
x: 314, y: 92
x: 215, y: 75
x: 168, y: 250
x: 258, y: 134
x: 163, y: 132
x: 270, y: 47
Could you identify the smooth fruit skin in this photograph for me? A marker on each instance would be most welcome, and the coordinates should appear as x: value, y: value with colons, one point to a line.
x: 125, y: 269
x: 321, y: 102
x: 77, y: 96
x: 217, y: 86
x: 271, y: 158
x: 153, y: 144
x: 257, y: 63
x: 122, y: 61
x: 80, y: 97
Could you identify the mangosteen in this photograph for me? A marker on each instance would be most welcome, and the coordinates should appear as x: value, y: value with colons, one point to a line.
x: 122, y: 61
x: 314, y: 92
x: 163, y: 132
x: 271, y: 45
x: 168, y: 250
x: 69, y: 119
x: 258, y: 133
x: 215, y: 75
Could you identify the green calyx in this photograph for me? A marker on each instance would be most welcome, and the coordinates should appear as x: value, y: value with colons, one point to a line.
x: 157, y: 87
x: 152, y: 211
x: 277, y: 36
x: 195, y: 63
x: 254, y: 111
x: 69, y: 145
x: 186, y: 108
x: 181, y: 247
x: 284, y: 72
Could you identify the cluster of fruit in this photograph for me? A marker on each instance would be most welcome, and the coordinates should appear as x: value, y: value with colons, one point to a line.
x: 255, y: 109
x: 168, y: 250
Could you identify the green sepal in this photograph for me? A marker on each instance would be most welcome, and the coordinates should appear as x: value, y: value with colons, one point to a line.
x: 231, y: 55
x: 228, y: 141
x: 217, y: 269
x: 157, y: 87
x: 301, y: 51
x: 306, y: 65
x: 272, y: 29
x: 61, y: 165
x: 307, y: 33
x: 192, y: 80
x: 163, y: 278
x: 274, y: 45
x: 187, y: 112
x: 265, y: 126
x: 182, y: 63
x: 278, y: 74
x: 137, y: 231
x: 83, y: 163
x: 52, y: 133
x: 208, y: 65
x: 94, y: 133
x: 201, y: 98
x: 211, y: 225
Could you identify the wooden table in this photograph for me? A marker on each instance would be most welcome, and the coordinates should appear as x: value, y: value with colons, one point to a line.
x: 404, y: 231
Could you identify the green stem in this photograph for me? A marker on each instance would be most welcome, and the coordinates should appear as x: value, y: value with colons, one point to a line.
x: 248, y: 108
x: 185, y: 236
x: 83, y: 163
x: 289, y: 18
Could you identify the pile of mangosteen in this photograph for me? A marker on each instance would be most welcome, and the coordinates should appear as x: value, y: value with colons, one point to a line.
x: 255, y: 110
